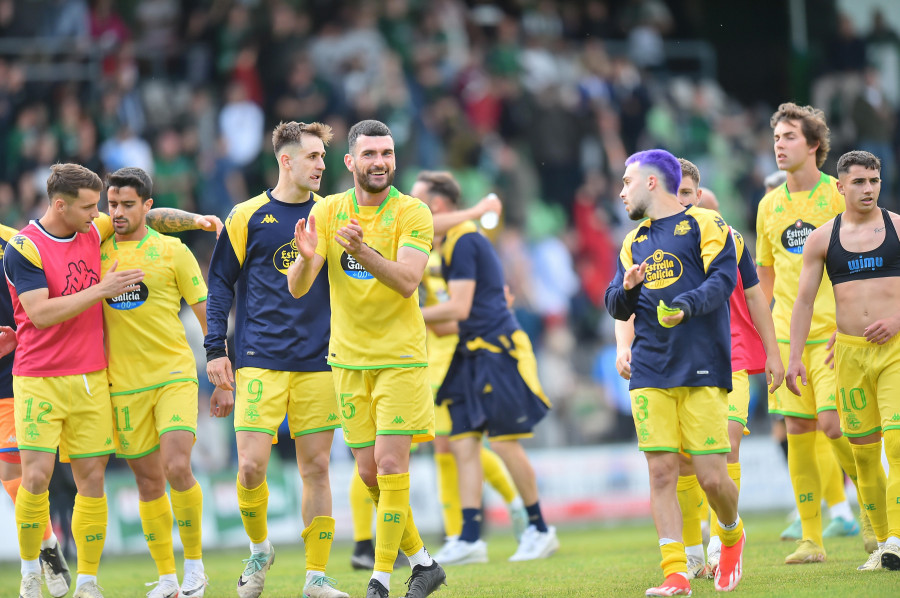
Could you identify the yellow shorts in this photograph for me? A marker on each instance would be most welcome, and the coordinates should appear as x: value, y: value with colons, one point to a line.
x: 817, y: 395
x: 689, y: 419
x: 9, y: 449
x: 868, y: 378
x: 442, y: 422
x: 72, y: 413
x: 142, y: 417
x: 739, y: 399
x: 384, y: 401
x: 263, y: 398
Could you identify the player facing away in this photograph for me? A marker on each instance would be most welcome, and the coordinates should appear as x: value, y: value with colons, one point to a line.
x: 281, y: 346
x: 785, y: 218
x: 376, y: 241
x: 53, y: 562
x: 153, y: 379
x: 491, y: 384
x: 675, y: 277
x: 860, y: 250
x: 59, y: 375
x: 753, y: 350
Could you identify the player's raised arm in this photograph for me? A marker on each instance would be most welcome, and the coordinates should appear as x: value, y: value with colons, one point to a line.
x: 303, y: 271
x: 802, y: 312
x: 170, y: 220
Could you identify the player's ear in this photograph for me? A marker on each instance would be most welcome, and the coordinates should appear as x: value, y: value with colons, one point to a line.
x: 348, y: 162
x: 148, y: 203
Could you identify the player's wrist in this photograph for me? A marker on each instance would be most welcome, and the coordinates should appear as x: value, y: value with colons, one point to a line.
x: 215, y: 353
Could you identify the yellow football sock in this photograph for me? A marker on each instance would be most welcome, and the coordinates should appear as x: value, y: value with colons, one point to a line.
x: 410, y: 541
x: 188, y: 509
x: 841, y: 448
x: 496, y: 475
x: 448, y: 492
x: 806, y: 483
x: 730, y: 537
x: 872, y: 486
x: 32, y: 517
x: 393, y: 508
x: 734, y: 472
x: 362, y: 508
x: 829, y: 471
x: 156, y: 521
x: 674, y: 559
x: 318, y: 538
x: 89, y: 532
x: 254, y: 506
x: 693, y: 506
x: 892, y: 449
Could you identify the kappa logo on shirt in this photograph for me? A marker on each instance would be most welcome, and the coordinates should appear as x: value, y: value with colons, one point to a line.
x: 269, y: 219
x: 80, y: 277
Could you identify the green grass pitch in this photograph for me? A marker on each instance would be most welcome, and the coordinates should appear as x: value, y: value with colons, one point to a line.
x: 593, y: 561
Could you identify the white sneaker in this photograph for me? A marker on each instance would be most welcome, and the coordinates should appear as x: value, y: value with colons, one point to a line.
x: 461, y: 553
x: 519, y: 517
x: 873, y: 562
x: 448, y: 541
x: 194, y: 584
x: 31, y: 586
x: 164, y: 589
x: 712, y: 560
x: 56, y: 571
x: 88, y: 589
x: 322, y: 587
x: 536, y: 545
x: 696, y: 567
x: 250, y: 583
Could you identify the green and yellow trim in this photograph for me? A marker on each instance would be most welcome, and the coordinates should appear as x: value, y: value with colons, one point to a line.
x: 160, y: 385
x: 315, y: 430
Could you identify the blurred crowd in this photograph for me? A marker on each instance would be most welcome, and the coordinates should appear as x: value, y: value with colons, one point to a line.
x: 539, y: 101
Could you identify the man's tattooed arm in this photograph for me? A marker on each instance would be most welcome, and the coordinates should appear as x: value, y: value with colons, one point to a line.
x: 170, y: 220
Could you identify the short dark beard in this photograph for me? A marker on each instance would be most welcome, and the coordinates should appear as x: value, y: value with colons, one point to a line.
x: 362, y: 179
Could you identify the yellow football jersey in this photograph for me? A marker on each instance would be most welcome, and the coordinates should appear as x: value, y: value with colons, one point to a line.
x: 373, y: 326
x: 440, y: 348
x: 145, y: 339
x: 784, y: 220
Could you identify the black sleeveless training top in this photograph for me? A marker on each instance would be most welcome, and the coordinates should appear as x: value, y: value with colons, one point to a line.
x: 881, y: 262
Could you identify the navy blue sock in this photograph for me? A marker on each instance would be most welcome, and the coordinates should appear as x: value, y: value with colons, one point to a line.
x: 471, y: 530
x: 535, y: 518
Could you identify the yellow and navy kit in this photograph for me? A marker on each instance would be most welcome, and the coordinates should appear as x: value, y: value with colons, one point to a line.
x: 145, y: 339
x: 784, y: 220
x: 432, y: 291
x: 468, y: 255
x: 691, y: 265
x: 881, y: 262
x: 273, y: 330
x: 373, y: 326
x: 6, y: 319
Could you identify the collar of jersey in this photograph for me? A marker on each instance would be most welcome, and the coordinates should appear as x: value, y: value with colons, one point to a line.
x: 822, y: 177
x: 392, y: 193
x: 149, y: 230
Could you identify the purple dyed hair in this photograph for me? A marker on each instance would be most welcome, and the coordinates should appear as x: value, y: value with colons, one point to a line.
x: 667, y: 165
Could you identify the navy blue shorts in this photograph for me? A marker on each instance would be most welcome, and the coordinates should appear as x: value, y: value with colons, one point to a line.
x: 492, y: 387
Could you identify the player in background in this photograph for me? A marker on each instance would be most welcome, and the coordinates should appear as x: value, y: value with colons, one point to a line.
x: 491, y: 384
x: 376, y: 242
x: 281, y: 348
x: 60, y: 381
x: 860, y: 250
x: 753, y: 350
x: 675, y: 277
x: 53, y: 562
x: 153, y: 378
x: 785, y: 218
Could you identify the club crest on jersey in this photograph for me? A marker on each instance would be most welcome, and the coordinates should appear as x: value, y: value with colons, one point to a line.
x: 354, y: 269
x: 663, y: 269
x: 682, y: 228
x: 130, y: 299
x: 794, y: 237
x: 285, y: 256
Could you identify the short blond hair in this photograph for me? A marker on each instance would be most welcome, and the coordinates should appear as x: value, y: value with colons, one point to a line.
x: 291, y: 133
x: 689, y: 169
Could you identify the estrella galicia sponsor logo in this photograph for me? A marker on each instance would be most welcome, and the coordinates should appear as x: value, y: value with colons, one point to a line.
x: 663, y: 269
x: 354, y: 269
x: 794, y: 237
x: 285, y: 256
x: 130, y: 299
x: 865, y: 263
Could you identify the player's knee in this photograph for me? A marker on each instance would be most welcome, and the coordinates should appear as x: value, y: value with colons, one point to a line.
x: 253, y: 472
x: 36, y: 481
x: 663, y: 476
x: 368, y: 475
x: 390, y: 464
x: 178, y: 471
x: 712, y: 481
x: 315, y: 468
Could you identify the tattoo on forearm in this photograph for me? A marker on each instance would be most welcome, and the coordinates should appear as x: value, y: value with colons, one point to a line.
x: 170, y: 220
